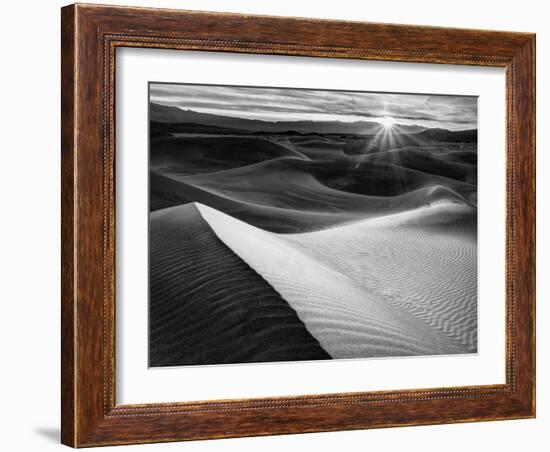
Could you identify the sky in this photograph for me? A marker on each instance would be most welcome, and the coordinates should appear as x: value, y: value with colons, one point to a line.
x: 286, y: 104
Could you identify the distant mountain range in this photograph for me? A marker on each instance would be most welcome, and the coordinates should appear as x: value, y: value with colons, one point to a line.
x: 449, y: 136
x: 166, y: 120
x: 175, y: 115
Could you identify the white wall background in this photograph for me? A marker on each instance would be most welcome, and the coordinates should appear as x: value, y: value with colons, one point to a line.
x: 29, y: 226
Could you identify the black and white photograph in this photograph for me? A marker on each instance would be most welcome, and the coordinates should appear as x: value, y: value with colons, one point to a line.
x: 299, y: 224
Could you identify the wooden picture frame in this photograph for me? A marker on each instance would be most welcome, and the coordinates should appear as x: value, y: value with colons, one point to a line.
x: 90, y: 36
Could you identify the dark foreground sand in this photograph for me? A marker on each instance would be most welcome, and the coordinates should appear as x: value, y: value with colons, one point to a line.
x: 208, y: 306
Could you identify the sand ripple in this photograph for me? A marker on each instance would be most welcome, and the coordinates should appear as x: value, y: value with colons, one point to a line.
x: 421, y: 261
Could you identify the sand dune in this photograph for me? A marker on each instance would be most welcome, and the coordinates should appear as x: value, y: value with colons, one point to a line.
x: 284, y: 247
x: 294, y: 194
x: 168, y: 192
x: 339, y: 293
x: 302, y: 184
x: 293, y: 183
x: 379, y: 174
x: 208, y: 306
x: 350, y: 165
x: 315, y: 147
x: 199, y: 154
x: 423, y: 261
x: 426, y: 160
x: 286, y: 202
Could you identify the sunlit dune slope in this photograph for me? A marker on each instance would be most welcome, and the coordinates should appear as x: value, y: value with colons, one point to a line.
x: 423, y: 261
x: 339, y: 291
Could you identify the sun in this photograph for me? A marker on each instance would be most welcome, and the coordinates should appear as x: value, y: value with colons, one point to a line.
x: 387, y: 122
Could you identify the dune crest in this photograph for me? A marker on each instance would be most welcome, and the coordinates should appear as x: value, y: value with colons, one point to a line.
x: 349, y: 315
x: 208, y: 306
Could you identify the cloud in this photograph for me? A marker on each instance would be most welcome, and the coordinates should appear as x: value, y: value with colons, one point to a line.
x: 287, y: 104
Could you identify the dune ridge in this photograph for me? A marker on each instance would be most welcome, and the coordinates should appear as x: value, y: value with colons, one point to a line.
x: 208, y: 306
x: 348, y: 317
x: 286, y: 202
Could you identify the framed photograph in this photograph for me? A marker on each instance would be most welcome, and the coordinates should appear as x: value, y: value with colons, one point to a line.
x: 281, y: 225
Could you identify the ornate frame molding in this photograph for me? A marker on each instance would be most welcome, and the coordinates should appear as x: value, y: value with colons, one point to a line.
x: 90, y: 37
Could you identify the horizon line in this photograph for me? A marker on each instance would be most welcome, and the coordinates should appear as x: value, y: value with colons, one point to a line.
x: 372, y: 121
